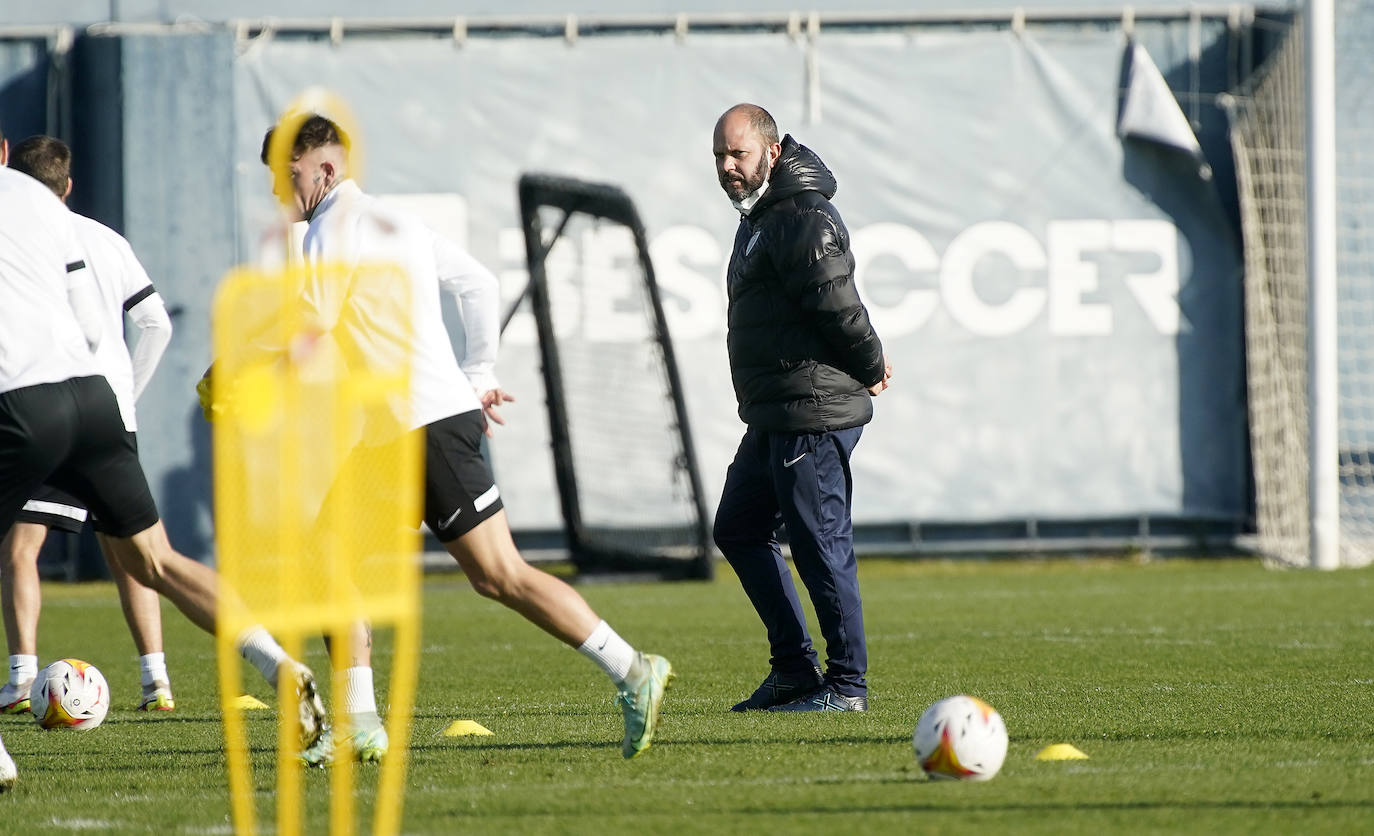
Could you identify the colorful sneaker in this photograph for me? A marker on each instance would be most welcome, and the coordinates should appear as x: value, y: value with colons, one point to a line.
x: 157, y: 697
x: 639, y: 698
x: 14, y: 699
x: 369, y: 745
x: 321, y: 752
x: 780, y: 689
x: 314, y: 721
x: 826, y: 699
x: 8, y: 774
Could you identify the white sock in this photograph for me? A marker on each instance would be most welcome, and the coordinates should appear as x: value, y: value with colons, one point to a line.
x: 358, y: 696
x: 609, y: 651
x: 152, y: 667
x: 262, y: 651
x: 23, y: 668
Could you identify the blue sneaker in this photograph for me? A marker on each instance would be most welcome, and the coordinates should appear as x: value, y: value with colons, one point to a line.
x: 780, y: 689
x: 639, y: 698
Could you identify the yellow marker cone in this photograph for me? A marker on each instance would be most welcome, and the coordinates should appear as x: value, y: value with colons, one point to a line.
x: 248, y: 702
x: 463, y: 728
x: 1061, y: 752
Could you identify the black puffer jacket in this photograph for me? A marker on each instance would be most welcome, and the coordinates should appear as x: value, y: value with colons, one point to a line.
x: 802, y: 351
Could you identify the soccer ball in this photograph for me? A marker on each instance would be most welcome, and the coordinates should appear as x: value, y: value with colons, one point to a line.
x: 961, y: 738
x: 70, y: 694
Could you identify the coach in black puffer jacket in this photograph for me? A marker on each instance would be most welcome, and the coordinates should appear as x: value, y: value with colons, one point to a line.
x: 802, y: 351
x: 806, y: 364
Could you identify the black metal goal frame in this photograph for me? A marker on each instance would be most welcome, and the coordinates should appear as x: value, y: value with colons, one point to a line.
x: 602, y: 200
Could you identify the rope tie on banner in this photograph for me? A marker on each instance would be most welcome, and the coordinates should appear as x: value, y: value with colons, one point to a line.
x: 813, y: 69
x: 460, y: 31
x: 336, y: 31
x: 570, y: 29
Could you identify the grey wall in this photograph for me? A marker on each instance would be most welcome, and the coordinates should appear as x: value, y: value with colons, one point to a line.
x: 934, y: 132
x: 84, y: 12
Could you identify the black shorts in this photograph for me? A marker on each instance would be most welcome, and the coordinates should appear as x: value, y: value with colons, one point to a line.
x: 459, y: 489
x: 55, y: 509
x: 60, y: 510
x: 70, y: 436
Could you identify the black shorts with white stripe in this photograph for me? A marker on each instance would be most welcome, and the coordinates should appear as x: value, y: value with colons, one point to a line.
x: 55, y: 509
x: 58, y: 509
x: 70, y: 436
x: 459, y: 489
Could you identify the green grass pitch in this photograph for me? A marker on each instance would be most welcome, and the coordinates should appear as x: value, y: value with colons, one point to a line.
x: 1211, y: 696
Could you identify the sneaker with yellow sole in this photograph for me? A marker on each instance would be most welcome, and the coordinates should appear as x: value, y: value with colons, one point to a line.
x: 157, y: 697
x: 14, y: 699
x: 639, y: 697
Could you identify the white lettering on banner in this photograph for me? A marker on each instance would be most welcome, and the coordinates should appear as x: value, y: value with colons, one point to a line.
x: 612, y: 290
x: 593, y: 275
x: 1070, y: 279
x: 956, y: 278
x: 689, y: 266
x: 916, y: 254
x: 1156, y: 292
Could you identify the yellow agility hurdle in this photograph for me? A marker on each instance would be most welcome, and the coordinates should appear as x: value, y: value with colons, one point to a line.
x: 317, y: 494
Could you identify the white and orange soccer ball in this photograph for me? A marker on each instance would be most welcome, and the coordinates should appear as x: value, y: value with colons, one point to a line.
x: 70, y: 694
x: 960, y: 738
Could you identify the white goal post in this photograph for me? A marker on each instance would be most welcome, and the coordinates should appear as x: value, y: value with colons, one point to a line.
x: 1303, y: 136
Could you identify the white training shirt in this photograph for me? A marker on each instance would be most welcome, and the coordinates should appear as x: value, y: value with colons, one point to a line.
x: 124, y: 286
x: 352, y: 228
x: 49, y: 308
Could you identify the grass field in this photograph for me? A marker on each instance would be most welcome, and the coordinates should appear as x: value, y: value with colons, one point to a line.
x: 1212, y: 696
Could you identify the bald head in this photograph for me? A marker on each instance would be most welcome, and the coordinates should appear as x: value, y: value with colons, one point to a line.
x: 746, y: 145
x: 759, y: 121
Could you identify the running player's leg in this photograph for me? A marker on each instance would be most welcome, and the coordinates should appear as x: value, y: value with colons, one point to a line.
x: 38, y: 425
x: 367, y: 737
x: 463, y: 508
x: 143, y: 613
x: 103, y: 470
x: 21, y: 600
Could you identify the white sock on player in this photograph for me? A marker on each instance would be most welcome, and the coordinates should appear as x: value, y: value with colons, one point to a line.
x: 358, y: 696
x: 152, y: 667
x: 609, y: 651
x: 23, y: 668
x: 262, y: 651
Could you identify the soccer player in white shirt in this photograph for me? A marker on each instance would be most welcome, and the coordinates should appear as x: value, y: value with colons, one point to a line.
x: 60, y: 423
x: 124, y: 286
x: 8, y: 774
x: 451, y: 404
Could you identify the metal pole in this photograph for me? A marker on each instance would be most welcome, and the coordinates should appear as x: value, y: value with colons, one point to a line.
x: 1324, y: 484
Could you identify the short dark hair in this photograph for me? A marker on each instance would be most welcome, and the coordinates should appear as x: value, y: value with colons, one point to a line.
x: 46, y: 159
x: 760, y: 120
x: 315, y: 132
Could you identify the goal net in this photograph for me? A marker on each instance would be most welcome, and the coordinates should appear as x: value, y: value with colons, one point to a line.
x: 628, y: 484
x: 1268, y: 136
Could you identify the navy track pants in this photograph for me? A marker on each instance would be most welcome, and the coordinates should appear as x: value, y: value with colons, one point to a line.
x: 800, y: 481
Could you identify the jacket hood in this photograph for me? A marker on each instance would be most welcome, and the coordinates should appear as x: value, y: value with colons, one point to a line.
x: 797, y: 170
